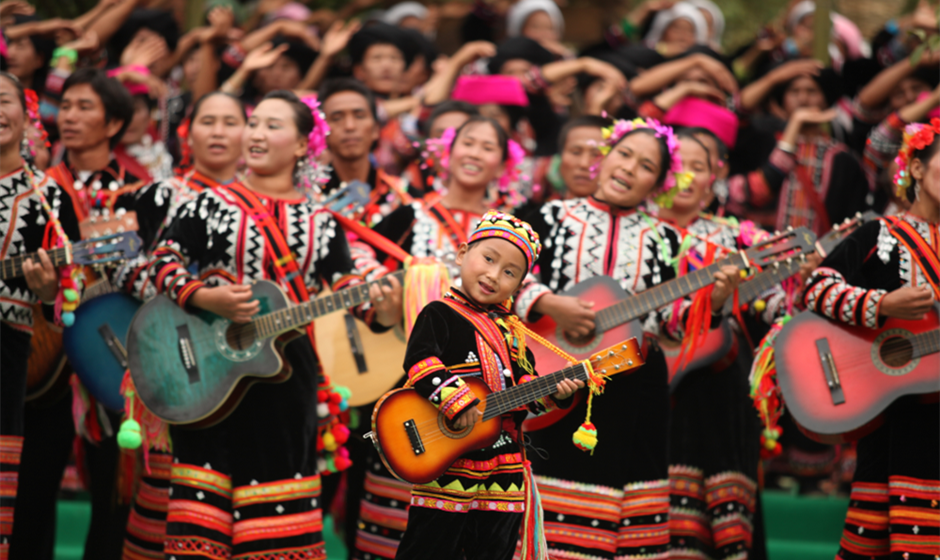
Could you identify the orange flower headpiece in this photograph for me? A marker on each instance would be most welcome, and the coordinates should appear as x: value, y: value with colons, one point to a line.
x: 917, y: 136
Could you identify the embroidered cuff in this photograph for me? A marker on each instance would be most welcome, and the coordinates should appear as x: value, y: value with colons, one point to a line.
x: 453, y: 397
x: 871, y: 308
x: 425, y: 368
x: 527, y: 298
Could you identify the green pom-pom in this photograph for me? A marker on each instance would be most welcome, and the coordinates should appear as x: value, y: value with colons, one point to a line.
x: 585, y: 438
x: 68, y: 318
x: 343, y: 390
x: 70, y: 294
x: 129, y: 436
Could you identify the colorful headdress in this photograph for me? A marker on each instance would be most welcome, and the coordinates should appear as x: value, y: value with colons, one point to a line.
x: 315, y: 174
x: 512, y: 229
x: 917, y: 136
x: 676, y: 179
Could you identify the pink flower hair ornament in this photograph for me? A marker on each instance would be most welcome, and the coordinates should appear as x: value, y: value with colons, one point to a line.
x: 316, y: 144
x: 676, y: 179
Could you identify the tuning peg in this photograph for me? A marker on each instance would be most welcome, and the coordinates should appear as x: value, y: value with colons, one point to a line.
x: 802, y: 257
x: 789, y: 260
x: 789, y: 228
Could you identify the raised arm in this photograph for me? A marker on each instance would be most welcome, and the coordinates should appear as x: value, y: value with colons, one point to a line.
x: 878, y: 91
x: 754, y: 94
x: 438, y: 88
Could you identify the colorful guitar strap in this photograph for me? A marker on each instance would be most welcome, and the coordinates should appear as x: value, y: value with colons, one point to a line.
x: 286, y: 271
x: 491, y: 342
x: 923, y: 254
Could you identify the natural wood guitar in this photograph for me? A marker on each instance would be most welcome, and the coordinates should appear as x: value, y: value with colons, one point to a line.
x: 353, y: 356
x: 418, y: 444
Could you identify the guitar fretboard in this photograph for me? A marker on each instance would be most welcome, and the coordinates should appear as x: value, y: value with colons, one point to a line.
x: 278, y: 322
x: 661, y: 295
x: 13, y: 266
x: 925, y: 343
x: 512, y: 398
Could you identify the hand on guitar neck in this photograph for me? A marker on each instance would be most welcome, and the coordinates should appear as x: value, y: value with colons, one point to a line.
x: 575, y: 316
x: 235, y: 303
x: 42, y: 278
x: 910, y: 303
x: 565, y: 389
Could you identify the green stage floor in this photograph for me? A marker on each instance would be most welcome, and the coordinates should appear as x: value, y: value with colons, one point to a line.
x: 798, y: 528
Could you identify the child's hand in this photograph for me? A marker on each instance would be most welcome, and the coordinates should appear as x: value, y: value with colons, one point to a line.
x: 566, y: 388
x: 468, y: 418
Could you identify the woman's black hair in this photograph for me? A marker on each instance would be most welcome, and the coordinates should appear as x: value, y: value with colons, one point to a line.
x: 449, y: 106
x: 501, y: 136
x: 198, y: 104
x: 20, y: 92
x: 723, y: 152
x: 303, y: 118
x: 665, y: 161
x: 687, y: 134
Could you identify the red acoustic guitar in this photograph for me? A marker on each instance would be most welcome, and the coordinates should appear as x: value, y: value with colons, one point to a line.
x: 418, y: 444
x: 837, y: 379
x: 716, y: 349
x: 619, y: 314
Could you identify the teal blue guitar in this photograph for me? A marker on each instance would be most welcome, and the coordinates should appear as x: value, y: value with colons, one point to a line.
x: 95, y: 344
x: 195, y: 367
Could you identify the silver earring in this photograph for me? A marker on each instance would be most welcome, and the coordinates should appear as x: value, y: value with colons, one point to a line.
x: 24, y: 148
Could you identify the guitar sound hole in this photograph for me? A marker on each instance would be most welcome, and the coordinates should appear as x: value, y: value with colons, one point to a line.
x: 240, y: 336
x: 582, y: 340
x: 448, y: 429
x: 896, y: 351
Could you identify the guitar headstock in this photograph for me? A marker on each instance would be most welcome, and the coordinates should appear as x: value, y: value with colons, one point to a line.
x: 828, y: 242
x: 349, y: 199
x: 783, y: 246
x: 107, y: 249
x: 619, y: 358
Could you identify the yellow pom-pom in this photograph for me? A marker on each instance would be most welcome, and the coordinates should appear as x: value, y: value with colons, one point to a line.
x: 585, y: 438
x: 743, y: 274
x: 329, y: 442
x: 69, y: 306
x: 760, y: 305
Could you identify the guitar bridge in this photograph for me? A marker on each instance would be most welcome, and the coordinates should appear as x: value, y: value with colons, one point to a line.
x: 414, y: 437
x: 355, y: 343
x: 114, y: 344
x: 830, y: 371
x: 187, y: 353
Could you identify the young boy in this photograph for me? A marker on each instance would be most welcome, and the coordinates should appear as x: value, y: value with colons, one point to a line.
x: 475, y: 509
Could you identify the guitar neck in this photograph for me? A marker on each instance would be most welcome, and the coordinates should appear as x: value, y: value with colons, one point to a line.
x: 750, y: 290
x: 925, y: 343
x: 293, y: 317
x: 512, y: 398
x: 13, y: 266
x: 663, y: 294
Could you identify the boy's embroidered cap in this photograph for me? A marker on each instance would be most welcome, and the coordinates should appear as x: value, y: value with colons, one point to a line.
x: 512, y: 229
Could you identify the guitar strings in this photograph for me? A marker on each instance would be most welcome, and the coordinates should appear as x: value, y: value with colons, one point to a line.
x: 892, y: 348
